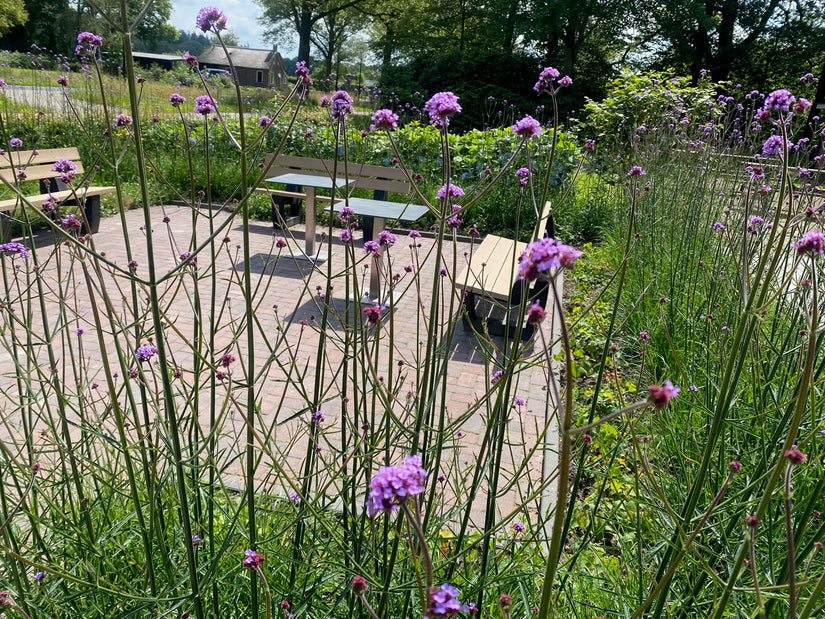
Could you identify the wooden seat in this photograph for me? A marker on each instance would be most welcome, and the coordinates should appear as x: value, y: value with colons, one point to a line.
x: 37, y: 166
x: 491, y: 285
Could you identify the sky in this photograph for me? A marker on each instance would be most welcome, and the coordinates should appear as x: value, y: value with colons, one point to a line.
x: 242, y: 18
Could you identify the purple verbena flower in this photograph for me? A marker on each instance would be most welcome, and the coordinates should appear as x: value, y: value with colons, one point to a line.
x: 205, y: 105
x: 123, y: 120
x: 341, y: 105
x: 523, y: 175
x: 386, y: 238
x: 371, y: 247
x: 444, y: 602
x: 527, y: 127
x: 176, y: 99
x: 779, y: 100
x: 190, y: 60
x: 661, y: 395
x: 441, y: 107
x: 89, y: 40
x: 566, y: 81
x: 318, y: 417
x: 15, y: 142
x: 373, y: 313
x: 70, y: 222
x: 811, y: 243
x: 252, y: 559
x: 392, y: 485
x: 773, y: 145
x: 384, y: 120
x: 302, y: 72
x: 146, y: 352
x: 452, y: 190
x: 67, y: 170
x: 636, y: 171
x: 546, y: 77
x: 15, y: 249
x: 540, y: 257
x: 346, y: 236
x: 210, y: 18
x: 264, y: 121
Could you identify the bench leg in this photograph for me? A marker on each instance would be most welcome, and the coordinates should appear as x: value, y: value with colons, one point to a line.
x: 5, y: 226
x: 92, y: 210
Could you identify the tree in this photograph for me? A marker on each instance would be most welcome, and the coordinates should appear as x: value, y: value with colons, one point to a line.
x: 721, y: 36
x: 12, y: 13
x: 302, y: 15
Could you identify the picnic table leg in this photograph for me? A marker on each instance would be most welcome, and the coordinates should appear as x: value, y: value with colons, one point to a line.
x: 309, y: 242
x: 375, y: 271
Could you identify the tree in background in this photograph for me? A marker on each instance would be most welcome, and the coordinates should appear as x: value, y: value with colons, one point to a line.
x: 733, y: 37
x: 303, y: 16
x: 12, y: 13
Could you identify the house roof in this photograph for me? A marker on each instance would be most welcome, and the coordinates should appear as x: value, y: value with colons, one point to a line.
x: 149, y: 56
x: 241, y: 57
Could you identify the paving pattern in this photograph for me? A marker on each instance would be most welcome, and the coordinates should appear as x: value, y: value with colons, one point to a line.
x: 377, y: 397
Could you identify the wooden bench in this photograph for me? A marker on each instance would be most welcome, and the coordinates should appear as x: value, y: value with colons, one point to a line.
x: 381, y: 180
x: 37, y: 166
x: 492, y: 285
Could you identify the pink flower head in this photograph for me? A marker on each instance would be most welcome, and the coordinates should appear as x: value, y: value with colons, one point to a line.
x: 527, y: 127
x: 176, y: 99
x: 812, y: 243
x: 536, y: 314
x: 252, y: 559
x: 190, y: 60
x: 795, y: 456
x: 210, y: 18
x: 63, y: 80
x: 566, y: 81
x: 386, y: 238
x: 441, y: 107
x: 373, y: 313
x: 302, y: 72
x: 661, y: 395
x: 87, y: 41
x: 636, y: 171
x: 123, y: 120
x: 392, y: 485
x: 264, y: 121
x: 384, y: 120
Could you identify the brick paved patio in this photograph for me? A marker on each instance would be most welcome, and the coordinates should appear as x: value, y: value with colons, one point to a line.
x: 285, y: 295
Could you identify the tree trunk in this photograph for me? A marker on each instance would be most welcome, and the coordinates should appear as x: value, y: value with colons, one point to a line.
x: 726, y: 52
x: 388, y: 48
x: 304, y: 32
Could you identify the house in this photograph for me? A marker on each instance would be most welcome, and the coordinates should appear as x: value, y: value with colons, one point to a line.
x: 164, y: 61
x: 255, y: 67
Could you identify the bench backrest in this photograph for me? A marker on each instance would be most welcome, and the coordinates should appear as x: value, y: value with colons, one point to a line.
x: 546, y: 226
x: 378, y: 178
x: 37, y: 164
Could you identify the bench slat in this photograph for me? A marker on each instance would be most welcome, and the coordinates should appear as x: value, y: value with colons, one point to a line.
x: 38, y: 200
x: 33, y: 172
x: 44, y: 156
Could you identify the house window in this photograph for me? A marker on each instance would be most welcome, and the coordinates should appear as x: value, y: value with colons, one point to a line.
x: 260, y: 76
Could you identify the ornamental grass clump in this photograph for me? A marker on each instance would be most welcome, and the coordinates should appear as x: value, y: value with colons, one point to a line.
x: 198, y: 419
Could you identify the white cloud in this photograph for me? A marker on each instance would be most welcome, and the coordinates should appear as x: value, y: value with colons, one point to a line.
x: 242, y: 18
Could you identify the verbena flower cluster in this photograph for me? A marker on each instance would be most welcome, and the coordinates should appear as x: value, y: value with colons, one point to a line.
x: 444, y: 602
x: 14, y: 249
x: 384, y: 119
x: 812, y: 243
x: 393, y: 484
x: 210, y: 18
x: 205, y: 105
x: 67, y: 170
x: 527, y: 127
x: 341, y: 105
x: 441, y: 107
x: 660, y: 395
x: 541, y: 257
x: 454, y: 191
